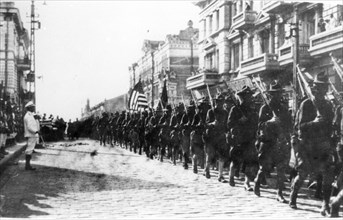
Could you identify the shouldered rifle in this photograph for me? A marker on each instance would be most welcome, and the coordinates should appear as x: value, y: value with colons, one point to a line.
x: 184, y: 104
x: 264, y: 97
x: 307, y: 90
x: 336, y: 94
x: 195, y: 101
x: 209, y: 95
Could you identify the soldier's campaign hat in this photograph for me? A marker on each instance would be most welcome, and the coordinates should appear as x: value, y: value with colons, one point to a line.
x: 275, y: 87
x: 29, y: 104
x: 219, y: 97
x: 245, y: 91
x: 321, y: 78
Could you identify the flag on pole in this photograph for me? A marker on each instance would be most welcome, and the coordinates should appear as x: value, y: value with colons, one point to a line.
x: 137, y: 98
x: 164, y: 95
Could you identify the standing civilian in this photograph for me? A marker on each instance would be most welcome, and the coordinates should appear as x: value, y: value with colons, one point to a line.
x: 30, y: 129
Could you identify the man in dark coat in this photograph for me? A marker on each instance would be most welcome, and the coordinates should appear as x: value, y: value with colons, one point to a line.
x: 275, y: 123
x: 314, y: 126
x: 242, y: 126
x: 163, y: 135
x: 214, y: 138
x: 196, y: 142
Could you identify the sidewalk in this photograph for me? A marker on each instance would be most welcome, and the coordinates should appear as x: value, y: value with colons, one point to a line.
x: 14, y: 152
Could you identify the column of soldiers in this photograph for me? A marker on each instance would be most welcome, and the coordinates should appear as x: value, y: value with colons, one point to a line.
x: 246, y: 136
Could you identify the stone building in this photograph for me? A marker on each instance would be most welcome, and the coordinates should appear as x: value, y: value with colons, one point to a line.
x: 174, y: 60
x: 240, y: 40
x: 14, y: 55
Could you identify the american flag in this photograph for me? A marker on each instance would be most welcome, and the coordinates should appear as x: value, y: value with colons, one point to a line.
x: 137, y: 98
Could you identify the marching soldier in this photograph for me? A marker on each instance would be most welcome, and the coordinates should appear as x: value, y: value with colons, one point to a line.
x: 175, y: 132
x: 120, y: 123
x: 196, y: 142
x: 242, y: 125
x: 275, y: 125
x: 164, y: 138
x: 185, y: 133
x: 148, y: 134
x: 214, y: 137
x: 153, y: 128
x: 103, y: 128
x: 337, y: 193
x: 314, y: 153
x: 141, y: 128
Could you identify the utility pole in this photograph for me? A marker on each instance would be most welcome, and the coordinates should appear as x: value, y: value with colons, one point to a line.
x: 152, y: 78
x: 7, y: 18
x: 295, y: 35
x: 33, y: 52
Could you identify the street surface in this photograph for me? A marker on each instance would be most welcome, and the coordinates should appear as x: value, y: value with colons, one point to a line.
x: 116, y: 183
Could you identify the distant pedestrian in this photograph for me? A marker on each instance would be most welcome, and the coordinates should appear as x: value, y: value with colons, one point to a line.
x: 30, y: 128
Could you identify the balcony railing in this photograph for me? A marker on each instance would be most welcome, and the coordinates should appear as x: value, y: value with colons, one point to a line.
x: 286, y: 54
x: 272, y: 6
x: 326, y: 41
x: 244, y: 19
x: 264, y: 63
x: 202, y: 79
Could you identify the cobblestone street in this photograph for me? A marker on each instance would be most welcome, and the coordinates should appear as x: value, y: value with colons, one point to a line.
x: 116, y: 183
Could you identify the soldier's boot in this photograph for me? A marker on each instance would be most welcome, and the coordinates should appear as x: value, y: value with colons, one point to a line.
x: 27, y: 163
x: 297, y: 183
x: 185, y: 163
x: 140, y: 150
x: 207, y: 173
x: 319, y: 194
x: 232, y: 175
x: 161, y: 155
x: 325, y: 209
x: 336, y: 202
x: 281, y: 186
x: 247, y: 186
x: 257, y: 181
x: 195, y: 163
x: 220, y: 172
x: 207, y: 170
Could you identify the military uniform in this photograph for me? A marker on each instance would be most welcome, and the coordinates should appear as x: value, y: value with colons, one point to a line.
x: 175, y: 133
x: 273, y: 140
x: 103, y: 128
x: 214, y: 138
x: 315, y: 154
x: 164, y: 138
x: 196, y: 141
x: 242, y: 126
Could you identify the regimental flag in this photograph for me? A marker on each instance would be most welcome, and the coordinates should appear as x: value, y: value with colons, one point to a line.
x: 164, y: 95
x: 137, y: 98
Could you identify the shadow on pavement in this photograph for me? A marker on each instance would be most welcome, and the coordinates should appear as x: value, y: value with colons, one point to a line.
x: 25, y: 194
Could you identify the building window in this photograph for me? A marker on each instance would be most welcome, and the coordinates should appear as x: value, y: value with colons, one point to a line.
x: 234, y: 8
x: 204, y: 24
x: 250, y: 47
x: 209, y: 61
x: 217, y: 60
x: 217, y: 20
x: 235, y: 56
x: 281, y: 35
x: 210, y: 26
x: 264, y: 41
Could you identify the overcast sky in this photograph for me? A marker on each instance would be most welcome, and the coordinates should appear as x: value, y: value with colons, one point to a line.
x: 84, y: 48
